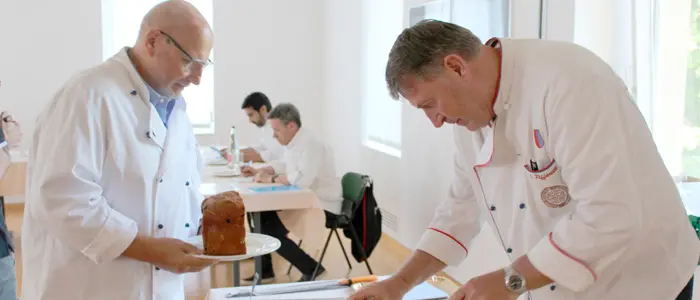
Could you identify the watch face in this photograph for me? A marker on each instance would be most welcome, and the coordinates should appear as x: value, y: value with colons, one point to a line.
x: 515, y: 283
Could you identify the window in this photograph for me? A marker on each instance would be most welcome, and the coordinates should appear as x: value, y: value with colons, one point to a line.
x: 381, y: 114
x: 667, y: 52
x: 654, y: 46
x: 121, y: 20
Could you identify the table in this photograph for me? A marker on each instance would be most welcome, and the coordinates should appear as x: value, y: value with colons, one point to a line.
x: 13, y: 181
x: 436, y: 288
x: 255, y: 202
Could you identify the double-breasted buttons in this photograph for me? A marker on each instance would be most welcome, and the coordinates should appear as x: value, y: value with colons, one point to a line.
x: 493, y: 207
x: 160, y: 226
x: 522, y: 205
x: 509, y: 250
x: 187, y: 225
x: 187, y: 183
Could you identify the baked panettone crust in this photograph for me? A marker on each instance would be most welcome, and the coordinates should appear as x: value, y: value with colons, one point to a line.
x: 223, y: 224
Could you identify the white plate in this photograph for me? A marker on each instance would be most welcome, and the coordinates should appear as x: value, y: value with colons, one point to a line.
x: 256, y: 245
x: 227, y: 172
x: 218, y: 162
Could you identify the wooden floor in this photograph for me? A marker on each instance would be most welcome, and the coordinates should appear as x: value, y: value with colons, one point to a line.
x: 387, y: 257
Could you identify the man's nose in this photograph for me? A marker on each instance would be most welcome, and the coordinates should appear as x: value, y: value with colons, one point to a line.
x: 195, y: 75
x: 436, y: 119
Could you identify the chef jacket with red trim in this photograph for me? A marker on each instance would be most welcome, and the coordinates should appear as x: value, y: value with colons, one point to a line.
x: 568, y: 174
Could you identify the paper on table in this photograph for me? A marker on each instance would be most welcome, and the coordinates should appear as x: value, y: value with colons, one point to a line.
x: 423, y: 291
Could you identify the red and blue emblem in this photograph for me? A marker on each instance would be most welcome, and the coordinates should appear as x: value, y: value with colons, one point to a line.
x: 539, y: 141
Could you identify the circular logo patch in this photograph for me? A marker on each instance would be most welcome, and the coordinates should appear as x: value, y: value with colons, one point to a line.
x: 555, y: 196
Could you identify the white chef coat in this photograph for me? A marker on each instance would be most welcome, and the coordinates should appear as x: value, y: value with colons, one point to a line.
x: 309, y: 163
x: 601, y: 217
x: 268, y: 147
x: 103, y: 167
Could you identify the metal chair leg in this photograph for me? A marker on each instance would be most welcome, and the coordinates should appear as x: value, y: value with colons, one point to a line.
x: 289, y: 270
x: 356, y: 239
x: 323, y: 253
x: 343, y: 248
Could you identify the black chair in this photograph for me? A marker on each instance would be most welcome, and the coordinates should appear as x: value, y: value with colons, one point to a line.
x: 354, y: 186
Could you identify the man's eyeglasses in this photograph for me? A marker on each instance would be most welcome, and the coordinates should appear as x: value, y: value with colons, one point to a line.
x: 204, y: 63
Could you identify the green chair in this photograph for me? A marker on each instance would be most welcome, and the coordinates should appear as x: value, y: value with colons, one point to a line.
x: 695, y: 221
x: 354, y: 186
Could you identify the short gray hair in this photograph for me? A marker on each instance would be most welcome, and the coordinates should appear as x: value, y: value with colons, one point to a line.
x: 419, y: 49
x: 286, y: 112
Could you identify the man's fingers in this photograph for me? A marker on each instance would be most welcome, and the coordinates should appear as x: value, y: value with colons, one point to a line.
x: 195, y: 264
x: 190, y: 249
x: 458, y: 295
x: 360, y: 295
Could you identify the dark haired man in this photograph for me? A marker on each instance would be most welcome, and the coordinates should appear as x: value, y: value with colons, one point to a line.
x: 256, y: 106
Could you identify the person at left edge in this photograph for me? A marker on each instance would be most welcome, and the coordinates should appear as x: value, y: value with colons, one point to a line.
x: 114, y: 171
x: 10, y: 135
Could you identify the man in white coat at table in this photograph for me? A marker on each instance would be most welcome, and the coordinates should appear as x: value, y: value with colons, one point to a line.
x: 553, y: 153
x: 308, y: 163
x: 114, y: 171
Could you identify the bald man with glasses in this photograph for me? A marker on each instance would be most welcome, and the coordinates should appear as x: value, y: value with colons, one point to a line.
x: 114, y: 170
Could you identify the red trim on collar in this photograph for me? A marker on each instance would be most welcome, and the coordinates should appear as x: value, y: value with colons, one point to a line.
x: 496, y: 44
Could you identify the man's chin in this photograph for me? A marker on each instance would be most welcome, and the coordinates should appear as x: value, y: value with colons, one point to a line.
x: 471, y: 125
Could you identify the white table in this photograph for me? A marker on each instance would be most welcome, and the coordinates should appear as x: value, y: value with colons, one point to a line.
x: 255, y: 202
x: 422, y: 291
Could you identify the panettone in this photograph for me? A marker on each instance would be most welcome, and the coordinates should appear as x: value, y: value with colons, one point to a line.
x: 223, y: 224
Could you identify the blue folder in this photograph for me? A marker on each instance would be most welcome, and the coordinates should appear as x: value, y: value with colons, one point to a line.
x: 275, y: 188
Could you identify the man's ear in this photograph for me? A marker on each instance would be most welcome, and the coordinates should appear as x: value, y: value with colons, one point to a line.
x: 150, y: 41
x: 454, y: 63
x: 263, y: 110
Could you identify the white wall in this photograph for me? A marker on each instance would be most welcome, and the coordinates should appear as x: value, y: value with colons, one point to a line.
x: 41, y: 48
x: 270, y: 46
x: 267, y: 45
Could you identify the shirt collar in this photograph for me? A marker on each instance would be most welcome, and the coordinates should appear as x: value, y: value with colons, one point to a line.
x: 506, y: 74
x: 298, y: 138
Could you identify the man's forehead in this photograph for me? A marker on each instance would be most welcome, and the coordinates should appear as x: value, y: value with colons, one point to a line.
x: 410, y: 92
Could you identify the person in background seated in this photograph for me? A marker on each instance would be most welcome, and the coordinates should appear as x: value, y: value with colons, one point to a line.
x: 256, y: 106
x: 308, y: 163
x: 10, y: 136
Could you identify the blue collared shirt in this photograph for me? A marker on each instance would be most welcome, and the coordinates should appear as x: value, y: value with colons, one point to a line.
x: 163, y: 105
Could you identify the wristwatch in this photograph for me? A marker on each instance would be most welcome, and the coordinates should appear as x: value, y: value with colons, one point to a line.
x: 274, y: 177
x: 515, y: 283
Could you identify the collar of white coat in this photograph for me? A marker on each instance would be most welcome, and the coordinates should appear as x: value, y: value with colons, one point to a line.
x: 140, y: 85
x: 506, y: 77
x: 298, y: 138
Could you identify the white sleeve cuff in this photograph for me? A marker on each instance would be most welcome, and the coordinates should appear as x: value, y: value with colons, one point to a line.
x: 561, y: 267
x: 443, y: 247
x: 114, y: 237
